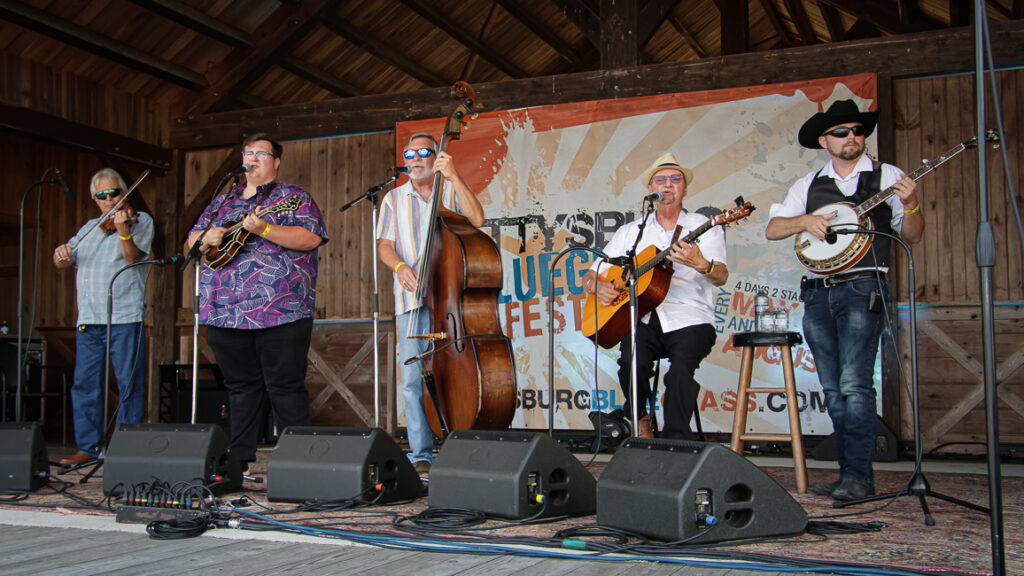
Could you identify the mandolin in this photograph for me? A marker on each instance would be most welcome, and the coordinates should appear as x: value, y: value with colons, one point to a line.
x: 236, y: 234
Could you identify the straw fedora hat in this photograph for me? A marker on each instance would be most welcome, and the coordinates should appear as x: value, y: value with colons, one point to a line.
x: 667, y: 160
x: 840, y: 112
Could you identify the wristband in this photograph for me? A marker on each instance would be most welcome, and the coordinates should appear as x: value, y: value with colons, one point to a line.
x: 399, y: 265
x: 914, y: 211
x: 711, y: 269
x: 128, y: 237
x: 265, y: 231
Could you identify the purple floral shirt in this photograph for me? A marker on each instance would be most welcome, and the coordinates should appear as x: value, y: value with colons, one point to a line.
x: 265, y: 285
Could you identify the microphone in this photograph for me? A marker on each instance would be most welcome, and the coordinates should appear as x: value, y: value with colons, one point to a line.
x: 176, y: 259
x: 618, y: 260
x: 400, y: 169
x: 831, y: 235
x: 244, y: 168
x: 64, y: 184
x: 653, y: 197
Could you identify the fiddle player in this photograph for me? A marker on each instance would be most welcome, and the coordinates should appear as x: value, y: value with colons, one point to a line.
x: 401, y: 229
x: 842, y: 321
x: 124, y: 238
x: 681, y: 328
x: 258, y: 307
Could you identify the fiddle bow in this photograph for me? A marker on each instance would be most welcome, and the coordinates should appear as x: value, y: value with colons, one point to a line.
x: 103, y: 219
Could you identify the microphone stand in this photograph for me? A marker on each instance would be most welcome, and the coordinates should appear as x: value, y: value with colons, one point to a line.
x: 917, y: 485
x: 21, y: 273
x: 629, y: 271
x: 371, y: 194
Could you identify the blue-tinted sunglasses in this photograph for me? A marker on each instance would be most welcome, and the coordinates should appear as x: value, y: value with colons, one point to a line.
x: 422, y: 152
x: 109, y: 192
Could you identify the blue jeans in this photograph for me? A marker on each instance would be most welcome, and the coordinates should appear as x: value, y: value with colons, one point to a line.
x: 843, y: 336
x: 128, y: 356
x: 421, y: 438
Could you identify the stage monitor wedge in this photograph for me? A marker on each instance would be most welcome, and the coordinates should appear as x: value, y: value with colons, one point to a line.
x: 503, y: 473
x: 325, y: 464
x: 667, y: 489
x: 194, y: 453
x: 24, y: 462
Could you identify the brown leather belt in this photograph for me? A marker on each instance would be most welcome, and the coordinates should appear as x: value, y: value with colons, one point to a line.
x: 807, y: 283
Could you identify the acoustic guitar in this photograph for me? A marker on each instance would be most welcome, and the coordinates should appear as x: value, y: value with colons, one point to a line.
x: 608, y: 325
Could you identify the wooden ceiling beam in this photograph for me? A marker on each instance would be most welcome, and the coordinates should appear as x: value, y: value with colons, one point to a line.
x: 834, y: 22
x: 734, y: 25
x: 883, y: 16
x: 83, y: 38
x: 429, y: 13
x: 382, y: 50
x: 81, y: 137
x: 584, y: 17
x: 1017, y: 11
x: 773, y: 16
x: 650, y: 18
x: 935, y: 52
x: 314, y: 75
x: 542, y: 31
x: 690, y: 40
x: 619, y: 43
x: 193, y: 19
x: 907, y: 11
x: 801, y: 21
x: 240, y: 69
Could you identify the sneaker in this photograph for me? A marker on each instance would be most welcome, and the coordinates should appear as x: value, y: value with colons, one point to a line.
x: 852, y: 490
x: 825, y: 489
x: 422, y: 468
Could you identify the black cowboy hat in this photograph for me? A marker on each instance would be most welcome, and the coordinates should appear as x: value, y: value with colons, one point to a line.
x: 840, y: 112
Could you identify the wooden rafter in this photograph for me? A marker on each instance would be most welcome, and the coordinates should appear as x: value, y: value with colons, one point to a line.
x: 773, y: 16
x: 801, y: 21
x: 734, y: 25
x: 382, y: 50
x: 538, y: 27
x: 193, y: 19
x: 883, y: 16
x: 317, y: 76
x: 650, y: 18
x: 424, y: 10
x: 94, y: 43
x: 690, y: 40
x: 242, y: 67
x: 834, y: 22
x: 580, y: 14
x: 619, y: 47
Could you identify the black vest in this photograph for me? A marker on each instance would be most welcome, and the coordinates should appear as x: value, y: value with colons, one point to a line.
x: 824, y: 191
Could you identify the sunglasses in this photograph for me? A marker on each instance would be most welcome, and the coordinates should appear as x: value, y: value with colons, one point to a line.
x: 422, y: 152
x: 675, y: 178
x: 108, y: 193
x: 257, y: 153
x: 843, y: 132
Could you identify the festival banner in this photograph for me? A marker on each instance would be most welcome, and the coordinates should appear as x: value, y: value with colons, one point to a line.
x: 570, y: 173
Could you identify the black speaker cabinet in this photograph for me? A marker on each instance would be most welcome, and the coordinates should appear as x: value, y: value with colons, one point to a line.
x: 887, y: 446
x: 147, y: 453
x: 505, y: 473
x: 669, y: 489
x: 24, y: 463
x: 313, y: 463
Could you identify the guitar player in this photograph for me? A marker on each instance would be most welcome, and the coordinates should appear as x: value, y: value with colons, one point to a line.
x: 681, y: 328
x: 258, y: 307
x: 842, y: 323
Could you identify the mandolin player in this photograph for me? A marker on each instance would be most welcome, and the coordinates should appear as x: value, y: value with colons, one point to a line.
x: 842, y: 323
x: 681, y: 328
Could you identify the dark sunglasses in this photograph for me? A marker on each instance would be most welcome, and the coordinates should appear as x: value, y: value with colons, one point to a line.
x: 844, y: 131
x: 109, y: 192
x: 422, y: 152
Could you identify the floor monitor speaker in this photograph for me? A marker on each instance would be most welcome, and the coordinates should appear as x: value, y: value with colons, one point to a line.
x: 680, y: 490
x: 510, y: 474
x: 148, y: 453
x: 24, y: 463
x: 320, y: 463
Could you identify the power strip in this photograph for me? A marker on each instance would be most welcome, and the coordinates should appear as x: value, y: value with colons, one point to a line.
x: 127, y: 514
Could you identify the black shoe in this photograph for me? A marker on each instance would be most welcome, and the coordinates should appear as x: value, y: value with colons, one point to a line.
x: 852, y: 490
x: 825, y: 489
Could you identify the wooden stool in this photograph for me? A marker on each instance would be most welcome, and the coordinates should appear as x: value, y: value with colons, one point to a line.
x: 749, y: 341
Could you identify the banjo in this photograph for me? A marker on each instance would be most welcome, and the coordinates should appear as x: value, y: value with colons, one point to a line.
x: 826, y: 258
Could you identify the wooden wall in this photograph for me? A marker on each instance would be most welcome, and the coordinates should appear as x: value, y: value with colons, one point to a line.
x: 931, y: 116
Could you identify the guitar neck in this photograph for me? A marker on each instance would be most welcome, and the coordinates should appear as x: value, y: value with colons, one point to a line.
x: 870, y: 204
x: 693, y: 235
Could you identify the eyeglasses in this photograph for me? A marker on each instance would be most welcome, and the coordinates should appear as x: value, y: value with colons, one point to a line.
x: 675, y: 178
x: 422, y: 152
x: 108, y: 193
x: 256, y: 153
x: 844, y: 131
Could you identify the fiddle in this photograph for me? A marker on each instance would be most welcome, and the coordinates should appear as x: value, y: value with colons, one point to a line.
x: 109, y: 227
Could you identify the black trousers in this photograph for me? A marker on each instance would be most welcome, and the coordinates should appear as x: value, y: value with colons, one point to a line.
x: 685, y: 349
x: 261, y: 364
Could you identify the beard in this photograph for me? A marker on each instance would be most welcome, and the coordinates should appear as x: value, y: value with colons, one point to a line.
x: 851, y: 152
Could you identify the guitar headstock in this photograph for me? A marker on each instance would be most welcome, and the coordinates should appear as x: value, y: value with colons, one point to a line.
x: 741, y: 211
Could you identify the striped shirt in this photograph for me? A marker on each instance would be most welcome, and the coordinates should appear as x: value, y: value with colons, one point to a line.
x: 404, y: 220
x: 97, y: 257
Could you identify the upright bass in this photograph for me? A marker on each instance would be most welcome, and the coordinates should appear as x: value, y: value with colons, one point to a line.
x: 469, y: 371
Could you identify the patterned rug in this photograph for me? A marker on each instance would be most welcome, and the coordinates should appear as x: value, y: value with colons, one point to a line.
x: 959, y: 542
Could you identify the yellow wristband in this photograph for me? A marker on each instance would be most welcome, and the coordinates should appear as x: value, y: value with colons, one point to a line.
x: 399, y: 265
x: 128, y: 237
x: 265, y: 231
x: 914, y: 211
x: 710, y: 269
